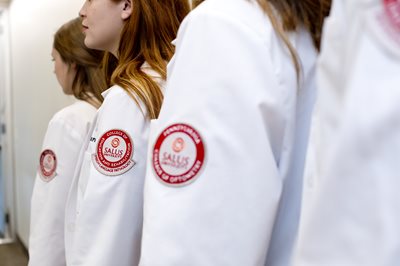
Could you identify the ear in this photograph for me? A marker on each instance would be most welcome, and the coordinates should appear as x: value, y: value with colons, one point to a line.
x: 127, y: 9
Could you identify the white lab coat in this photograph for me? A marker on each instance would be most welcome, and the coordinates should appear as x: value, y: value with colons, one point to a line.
x: 104, y: 210
x: 332, y: 66
x: 64, y: 138
x: 233, y: 83
x: 354, y: 214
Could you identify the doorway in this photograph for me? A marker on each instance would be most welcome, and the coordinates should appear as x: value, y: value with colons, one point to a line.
x: 6, y: 166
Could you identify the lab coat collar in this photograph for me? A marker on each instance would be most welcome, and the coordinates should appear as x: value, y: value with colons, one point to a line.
x: 146, y: 68
x: 106, y: 92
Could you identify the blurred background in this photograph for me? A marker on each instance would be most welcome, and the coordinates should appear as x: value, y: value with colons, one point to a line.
x: 29, y: 96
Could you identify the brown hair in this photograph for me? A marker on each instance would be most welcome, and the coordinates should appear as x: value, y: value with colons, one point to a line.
x: 294, y: 13
x: 89, y: 80
x: 146, y: 37
x: 195, y: 3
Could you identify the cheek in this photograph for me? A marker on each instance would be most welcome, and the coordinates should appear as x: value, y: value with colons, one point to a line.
x: 60, y: 72
x: 57, y: 70
x: 57, y: 65
x: 106, y: 29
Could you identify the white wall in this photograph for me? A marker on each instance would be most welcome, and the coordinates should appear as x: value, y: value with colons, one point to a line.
x: 36, y: 95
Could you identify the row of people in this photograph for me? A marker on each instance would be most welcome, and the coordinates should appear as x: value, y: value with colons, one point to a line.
x: 201, y: 161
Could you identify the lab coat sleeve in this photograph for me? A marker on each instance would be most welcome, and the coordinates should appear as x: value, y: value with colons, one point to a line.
x: 46, y: 241
x: 109, y: 220
x: 222, y: 84
x: 356, y: 212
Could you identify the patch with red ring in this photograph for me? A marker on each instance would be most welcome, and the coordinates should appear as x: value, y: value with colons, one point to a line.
x: 392, y: 10
x: 47, y: 165
x: 114, y: 153
x: 178, y: 155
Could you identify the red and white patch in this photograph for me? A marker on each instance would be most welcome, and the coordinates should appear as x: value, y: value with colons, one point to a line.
x: 392, y: 9
x: 47, y: 165
x: 114, y: 153
x: 386, y: 26
x: 178, y: 155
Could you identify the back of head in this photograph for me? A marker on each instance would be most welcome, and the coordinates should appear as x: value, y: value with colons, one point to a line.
x: 89, y: 81
x: 146, y: 37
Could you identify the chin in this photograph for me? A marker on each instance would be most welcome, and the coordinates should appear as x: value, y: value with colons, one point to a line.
x: 89, y: 43
x: 97, y: 44
x: 67, y: 92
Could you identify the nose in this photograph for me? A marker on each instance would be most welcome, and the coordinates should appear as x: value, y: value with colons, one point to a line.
x: 82, y: 12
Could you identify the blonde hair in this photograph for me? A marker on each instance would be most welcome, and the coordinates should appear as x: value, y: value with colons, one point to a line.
x: 294, y: 13
x: 146, y: 37
x: 89, y: 80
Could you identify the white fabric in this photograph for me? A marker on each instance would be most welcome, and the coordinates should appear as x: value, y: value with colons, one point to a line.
x: 104, y: 213
x: 65, y: 135
x: 233, y: 81
x: 332, y: 63
x: 354, y: 215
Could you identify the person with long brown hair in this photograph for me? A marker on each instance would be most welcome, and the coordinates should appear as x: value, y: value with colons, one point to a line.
x: 105, y: 204
x: 226, y: 159
x: 78, y: 70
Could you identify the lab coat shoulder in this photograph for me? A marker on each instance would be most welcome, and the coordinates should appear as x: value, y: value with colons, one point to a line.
x: 244, y: 18
x: 123, y: 111
x: 69, y: 125
x: 235, y: 46
x: 118, y: 99
x: 246, y: 37
x: 76, y: 117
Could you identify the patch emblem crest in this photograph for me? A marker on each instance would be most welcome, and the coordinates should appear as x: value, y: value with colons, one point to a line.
x: 114, y: 153
x: 47, y: 165
x: 392, y: 10
x: 178, y: 155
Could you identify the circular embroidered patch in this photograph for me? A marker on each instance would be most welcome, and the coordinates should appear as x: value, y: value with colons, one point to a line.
x: 392, y: 9
x: 114, y: 153
x: 47, y: 165
x: 178, y: 155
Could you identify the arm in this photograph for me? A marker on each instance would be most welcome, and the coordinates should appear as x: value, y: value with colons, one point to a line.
x: 221, y: 83
x: 109, y: 214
